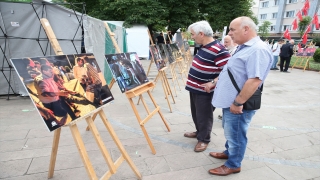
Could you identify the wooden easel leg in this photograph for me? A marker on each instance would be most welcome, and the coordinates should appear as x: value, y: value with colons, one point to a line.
x: 54, y: 151
x: 111, y: 83
x: 155, y: 104
x: 151, y: 61
x: 174, y: 76
x: 118, y: 143
x: 141, y: 125
x: 168, y: 86
x: 165, y: 89
x: 101, y: 145
x: 82, y: 151
x: 93, y: 118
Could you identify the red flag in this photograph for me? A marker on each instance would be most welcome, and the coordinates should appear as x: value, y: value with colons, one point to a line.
x: 294, y: 25
x: 304, y: 38
x: 308, y: 29
x: 306, y: 7
x: 299, y: 15
x: 286, y: 34
x: 315, y: 21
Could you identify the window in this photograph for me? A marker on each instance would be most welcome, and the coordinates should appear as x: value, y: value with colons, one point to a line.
x: 289, y: 14
x: 272, y: 28
x: 274, y: 15
x: 291, y: 1
x: 263, y: 16
x: 276, y: 2
x: 265, y: 4
x: 286, y: 27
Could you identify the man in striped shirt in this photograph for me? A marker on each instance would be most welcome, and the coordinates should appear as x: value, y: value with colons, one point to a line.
x: 206, y: 66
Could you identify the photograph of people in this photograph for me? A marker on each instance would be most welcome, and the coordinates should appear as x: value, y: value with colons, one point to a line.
x: 127, y: 70
x: 58, y: 92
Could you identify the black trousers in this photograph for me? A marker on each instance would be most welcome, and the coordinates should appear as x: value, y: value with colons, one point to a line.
x: 202, y: 115
x: 282, y: 60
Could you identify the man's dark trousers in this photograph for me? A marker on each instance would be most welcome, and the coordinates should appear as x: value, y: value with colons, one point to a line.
x: 202, y: 115
x: 282, y: 60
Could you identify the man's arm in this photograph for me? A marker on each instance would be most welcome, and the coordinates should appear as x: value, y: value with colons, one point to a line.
x: 250, y: 86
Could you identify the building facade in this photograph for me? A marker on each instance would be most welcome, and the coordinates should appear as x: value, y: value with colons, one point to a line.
x: 281, y: 14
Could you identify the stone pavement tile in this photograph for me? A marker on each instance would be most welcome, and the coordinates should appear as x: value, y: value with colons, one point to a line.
x: 313, y: 158
x: 42, y: 132
x: 278, y: 133
x: 24, y: 154
x: 263, y: 147
x: 36, y: 143
x: 8, y: 135
x: 74, y: 173
x: 157, y: 165
x: 196, y: 173
x: 293, y: 172
x: 14, y: 168
x: 13, y: 145
x: 300, y: 153
x: 186, y: 160
x: 254, y: 135
x: 293, y: 142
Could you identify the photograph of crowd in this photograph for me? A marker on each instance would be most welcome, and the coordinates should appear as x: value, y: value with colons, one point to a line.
x: 168, y: 53
x: 306, y: 51
x: 176, y: 53
x: 127, y: 70
x: 63, y: 88
x: 156, y: 56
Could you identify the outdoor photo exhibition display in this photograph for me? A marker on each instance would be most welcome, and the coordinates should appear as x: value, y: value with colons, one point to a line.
x: 127, y: 70
x: 159, y: 61
x: 306, y: 51
x: 167, y: 52
x: 176, y: 53
x: 63, y: 87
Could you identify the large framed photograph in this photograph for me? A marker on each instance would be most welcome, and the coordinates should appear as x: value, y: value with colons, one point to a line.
x: 156, y: 56
x: 127, y: 70
x: 63, y: 88
x: 175, y: 50
x: 306, y: 51
x: 168, y: 52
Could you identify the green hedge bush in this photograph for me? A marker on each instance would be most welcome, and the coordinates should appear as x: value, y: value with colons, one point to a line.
x: 316, y: 56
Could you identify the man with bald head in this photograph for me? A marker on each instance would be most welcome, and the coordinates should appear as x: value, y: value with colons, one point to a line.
x: 230, y: 45
x: 249, y: 65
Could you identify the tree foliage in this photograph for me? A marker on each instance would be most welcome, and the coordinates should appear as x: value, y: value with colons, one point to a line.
x: 302, y: 26
x: 158, y: 14
x: 264, y: 29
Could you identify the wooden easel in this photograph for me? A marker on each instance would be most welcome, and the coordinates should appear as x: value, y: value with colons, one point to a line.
x: 138, y: 91
x: 302, y: 62
x: 76, y: 134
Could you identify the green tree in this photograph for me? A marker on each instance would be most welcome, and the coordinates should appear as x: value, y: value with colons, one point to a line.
x: 302, y: 26
x: 221, y: 13
x: 158, y: 14
x: 264, y: 29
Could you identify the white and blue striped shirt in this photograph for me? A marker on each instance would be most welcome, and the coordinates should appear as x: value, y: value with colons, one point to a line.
x: 252, y: 61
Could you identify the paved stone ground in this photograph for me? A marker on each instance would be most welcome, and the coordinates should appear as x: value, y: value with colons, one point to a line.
x: 284, y: 137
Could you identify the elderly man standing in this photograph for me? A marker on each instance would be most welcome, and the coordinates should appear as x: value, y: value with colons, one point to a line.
x: 206, y: 66
x: 249, y: 66
x: 230, y: 45
x: 285, y: 55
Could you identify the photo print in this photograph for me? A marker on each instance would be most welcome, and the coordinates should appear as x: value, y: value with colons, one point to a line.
x: 168, y: 52
x: 306, y: 51
x: 175, y: 50
x: 186, y: 46
x: 127, y: 70
x: 63, y: 88
x: 155, y: 53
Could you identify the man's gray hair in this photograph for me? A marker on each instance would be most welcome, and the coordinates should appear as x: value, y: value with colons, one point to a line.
x: 201, y: 26
x: 246, y: 21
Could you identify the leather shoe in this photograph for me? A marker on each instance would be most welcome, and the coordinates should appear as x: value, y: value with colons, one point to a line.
x: 201, y: 146
x: 218, y: 155
x: 190, y: 134
x: 224, y: 171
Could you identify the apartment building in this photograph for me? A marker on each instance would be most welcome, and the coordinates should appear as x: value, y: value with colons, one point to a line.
x: 281, y: 14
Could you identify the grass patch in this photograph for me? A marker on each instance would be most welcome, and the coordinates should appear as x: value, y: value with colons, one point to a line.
x: 315, y: 66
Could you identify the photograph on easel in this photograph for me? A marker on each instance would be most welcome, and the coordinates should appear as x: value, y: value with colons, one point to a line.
x: 175, y: 50
x: 168, y: 53
x: 63, y: 88
x: 306, y: 51
x: 186, y: 46
x: 155, y: 53
x: 127, y: 70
